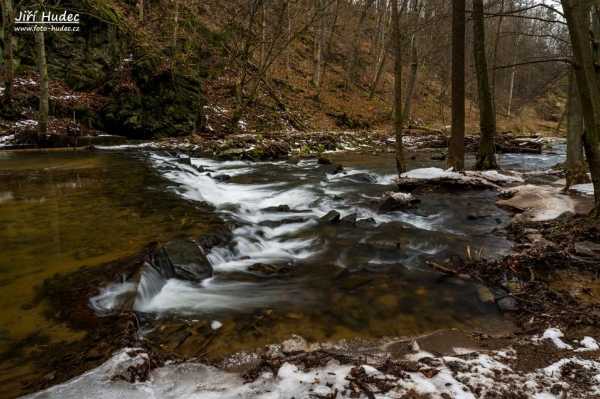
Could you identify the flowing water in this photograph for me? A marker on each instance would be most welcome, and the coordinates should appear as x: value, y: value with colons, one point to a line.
x: 65, y: 210
x: 368, y: 280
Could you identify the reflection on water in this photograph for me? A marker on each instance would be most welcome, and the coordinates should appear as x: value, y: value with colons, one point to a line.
x: 60, y: 211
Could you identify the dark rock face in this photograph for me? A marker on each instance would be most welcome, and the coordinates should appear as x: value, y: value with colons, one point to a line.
x: 361, y: 178
x: 331, y: 217
x: 184, y: 260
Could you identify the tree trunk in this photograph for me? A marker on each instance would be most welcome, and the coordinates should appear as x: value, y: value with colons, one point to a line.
x: 487, y: 118
x: 400, y: 165
x: 141, y: 16
x: 175, y: 23
x: 577, y: 17
x: 414, y: 63
x: 495, y: 53
x: 8, y: 23
x: 575, y: 169
x: 456, y: 150
x: 42, y: 125
x: 354, y: 47
x: 511, y: 88
x: 317, y: 44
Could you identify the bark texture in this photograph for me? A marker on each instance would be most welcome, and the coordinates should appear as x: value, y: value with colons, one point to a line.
x: 400, y: 165
x: 456, y: 150
x: 487, y: 117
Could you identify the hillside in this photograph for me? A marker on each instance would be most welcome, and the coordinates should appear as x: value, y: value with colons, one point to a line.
x: 179, y: 71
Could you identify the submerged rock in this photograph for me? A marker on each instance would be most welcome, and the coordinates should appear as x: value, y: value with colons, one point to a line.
x: 361, y: 177
x: 277, y: 223
x: 324, y: 161
x: 263, y: 269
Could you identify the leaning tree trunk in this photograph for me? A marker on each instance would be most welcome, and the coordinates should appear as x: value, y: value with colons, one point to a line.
x: 575, y: 169
x: 577, y: 17
x: 42, y: 126
x: 456, y: 149
x: 400, y: 165
x: 487, y: 118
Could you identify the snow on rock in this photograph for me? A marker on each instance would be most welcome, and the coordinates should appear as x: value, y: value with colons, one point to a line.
x: 540, y: 203
x: 490, y: 178
x: 462, y: 376
x: 555, y: 335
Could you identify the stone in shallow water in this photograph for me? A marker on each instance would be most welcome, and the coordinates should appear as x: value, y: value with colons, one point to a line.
x: 331, y: 216
x: 361, y: 177
x: 187, y: 261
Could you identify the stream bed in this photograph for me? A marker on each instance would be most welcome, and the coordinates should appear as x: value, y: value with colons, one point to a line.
x: 369, y: 279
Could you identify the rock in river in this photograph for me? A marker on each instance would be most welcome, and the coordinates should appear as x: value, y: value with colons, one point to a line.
x: 184, y: 260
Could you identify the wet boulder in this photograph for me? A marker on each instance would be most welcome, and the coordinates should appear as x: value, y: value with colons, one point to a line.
x: 396, y: 202
x: 331, y: 217
x: 324, y: 161
x: 221, y: 178
x: 338, y: 169
x: 277, y: 209
x: 186, y: 261
x: 210, y: 240
x: 366, y: 222
x: 350, y: 219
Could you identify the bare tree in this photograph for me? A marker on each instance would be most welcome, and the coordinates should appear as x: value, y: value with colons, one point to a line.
x: 8, y: 22
x: 317, y: 43
x: 456, y: 150
x: 400, y: 165
x: 577, y: 16
x: 42, y: 125
x: 575, y: 168
x: 414, y: 62
x: 487, y: 116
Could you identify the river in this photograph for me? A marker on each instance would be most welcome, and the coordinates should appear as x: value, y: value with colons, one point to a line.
x: 65, y: 210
